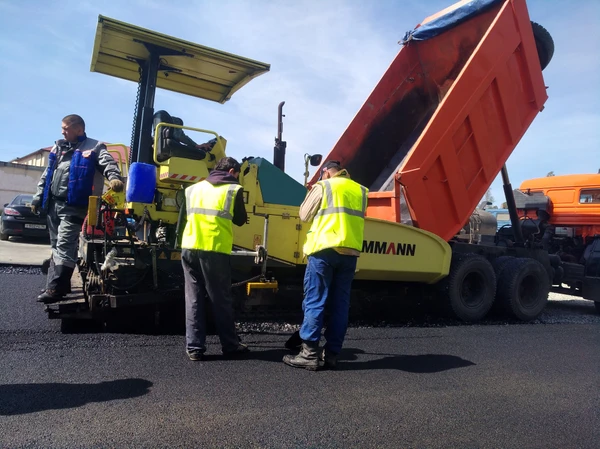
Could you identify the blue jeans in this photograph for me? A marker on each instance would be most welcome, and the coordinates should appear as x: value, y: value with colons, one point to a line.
x: 328, y: 277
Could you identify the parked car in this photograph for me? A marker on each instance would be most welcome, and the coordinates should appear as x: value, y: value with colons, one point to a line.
x: 19, y: 220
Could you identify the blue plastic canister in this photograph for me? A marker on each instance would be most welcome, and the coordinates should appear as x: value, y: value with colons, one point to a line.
x: 141, y: 183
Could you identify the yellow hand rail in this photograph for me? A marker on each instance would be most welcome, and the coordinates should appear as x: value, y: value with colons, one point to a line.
x: 171, y: 125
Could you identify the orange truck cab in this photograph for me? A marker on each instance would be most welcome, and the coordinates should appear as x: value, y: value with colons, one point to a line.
x: 572, y: 202
x: 562, y: 214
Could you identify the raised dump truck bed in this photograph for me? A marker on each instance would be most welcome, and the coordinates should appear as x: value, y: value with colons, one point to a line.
x: 448, y: 112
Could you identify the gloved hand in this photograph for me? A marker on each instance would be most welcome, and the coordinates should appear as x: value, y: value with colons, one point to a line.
x: 35, y: 206
x: 116, y: 185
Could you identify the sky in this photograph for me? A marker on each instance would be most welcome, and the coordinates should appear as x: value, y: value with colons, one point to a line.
x: 325, y: 57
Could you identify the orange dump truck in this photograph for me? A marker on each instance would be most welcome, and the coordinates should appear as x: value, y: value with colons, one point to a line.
x: 436, y: 131
x: 562, y: 214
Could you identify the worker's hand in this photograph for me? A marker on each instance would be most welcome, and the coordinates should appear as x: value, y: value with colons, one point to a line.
x: 35, y: 206
x: 116, y: 185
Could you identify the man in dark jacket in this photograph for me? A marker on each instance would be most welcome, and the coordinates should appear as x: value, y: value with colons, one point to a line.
x: 211, y: 208
x: 75, y: 168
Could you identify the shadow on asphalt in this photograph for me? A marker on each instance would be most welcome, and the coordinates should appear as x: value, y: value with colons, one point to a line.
x: 20, y: 399
x: 348, y: 360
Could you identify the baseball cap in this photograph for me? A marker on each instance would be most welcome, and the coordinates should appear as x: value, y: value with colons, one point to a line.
x: 330, y: 164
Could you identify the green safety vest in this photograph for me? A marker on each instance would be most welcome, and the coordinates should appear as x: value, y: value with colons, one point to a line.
x: 209, y: 213
x: 340, y: 221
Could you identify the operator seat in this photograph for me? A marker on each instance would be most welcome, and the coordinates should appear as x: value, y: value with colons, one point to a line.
x: 173, y: 142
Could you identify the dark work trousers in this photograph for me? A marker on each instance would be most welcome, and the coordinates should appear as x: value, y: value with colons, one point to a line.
x: 64, y: 225
x: 208, y: 274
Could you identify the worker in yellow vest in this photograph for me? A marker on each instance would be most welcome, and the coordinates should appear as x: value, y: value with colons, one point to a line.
x: 337, y: 206
x: 211, y: 208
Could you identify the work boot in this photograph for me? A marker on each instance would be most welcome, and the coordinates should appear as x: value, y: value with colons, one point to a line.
x: 308, y: 358
x: 50, y: 296
x: 328, y: 358
x: 59, y: 279
x: 195, y: 355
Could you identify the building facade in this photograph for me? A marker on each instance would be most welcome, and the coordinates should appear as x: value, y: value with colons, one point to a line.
x: 38, y: 158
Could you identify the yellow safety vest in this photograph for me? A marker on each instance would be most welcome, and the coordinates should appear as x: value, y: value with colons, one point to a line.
x: 340, y: 221
x: 209, y: 213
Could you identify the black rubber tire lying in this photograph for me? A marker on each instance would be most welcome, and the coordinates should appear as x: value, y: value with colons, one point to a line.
x: 544, y: 44
x: 523, y: 288
x: 470, y: 287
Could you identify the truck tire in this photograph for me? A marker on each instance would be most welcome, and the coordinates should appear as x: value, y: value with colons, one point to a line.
x: 523, y: 288
x: 597, y: 304
x: 543, y: 43
x: 470, y: 287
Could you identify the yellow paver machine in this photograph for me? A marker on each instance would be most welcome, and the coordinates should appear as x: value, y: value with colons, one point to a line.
x: 428, y: 142
x: 129, y: 254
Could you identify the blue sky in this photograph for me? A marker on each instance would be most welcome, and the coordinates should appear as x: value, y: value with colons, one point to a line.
x: 325, y: 58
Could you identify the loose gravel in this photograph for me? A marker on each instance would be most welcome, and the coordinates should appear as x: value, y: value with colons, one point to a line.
x: 19, y: 269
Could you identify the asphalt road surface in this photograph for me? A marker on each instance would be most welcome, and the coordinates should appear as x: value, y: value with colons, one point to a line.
x: 475, y: 386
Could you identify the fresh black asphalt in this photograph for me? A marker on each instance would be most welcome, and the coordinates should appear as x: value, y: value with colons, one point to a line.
x: 478, y: 386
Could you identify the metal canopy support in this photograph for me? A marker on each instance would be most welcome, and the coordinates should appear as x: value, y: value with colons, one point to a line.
x: 154, y: 60
x: 142, y: 140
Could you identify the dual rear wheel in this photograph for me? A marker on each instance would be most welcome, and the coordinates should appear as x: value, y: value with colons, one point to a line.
x: 517, y: 287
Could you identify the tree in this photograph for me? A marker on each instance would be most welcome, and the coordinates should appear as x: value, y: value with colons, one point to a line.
x: 550, y: 173
x: 504, y: 205
x: 487, y: 200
